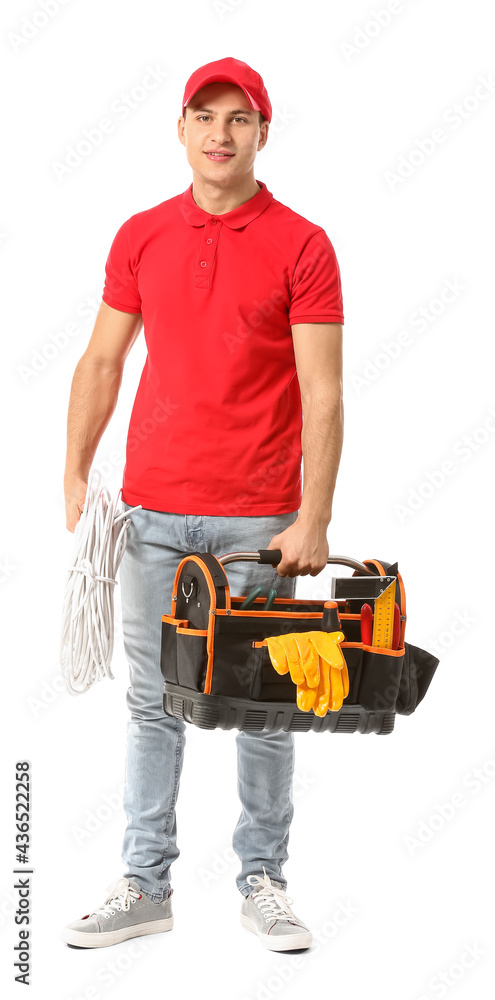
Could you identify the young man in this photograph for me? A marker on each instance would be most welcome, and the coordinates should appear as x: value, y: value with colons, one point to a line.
x: 242, y: 309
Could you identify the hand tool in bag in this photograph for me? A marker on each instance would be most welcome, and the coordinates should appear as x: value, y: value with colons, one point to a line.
x: 255, y: 592
x: 366, y: 624
x: 395, y: 640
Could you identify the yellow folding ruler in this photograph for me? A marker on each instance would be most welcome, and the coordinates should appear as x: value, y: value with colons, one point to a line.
x: 383, y: 617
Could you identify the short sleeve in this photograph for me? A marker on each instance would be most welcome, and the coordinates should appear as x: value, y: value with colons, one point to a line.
x: 316, y: 293
x: 120, y: 289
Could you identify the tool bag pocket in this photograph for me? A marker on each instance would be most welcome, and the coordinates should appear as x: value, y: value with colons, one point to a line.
x: 243, y: 668
x: 266, y: 683
x: 418, y: 670
x: 238, y: 664
x: 183, y: 654
x: 191, y: 658
x: 381, y: 679
x: 168, y: 654
x: 374, y: 675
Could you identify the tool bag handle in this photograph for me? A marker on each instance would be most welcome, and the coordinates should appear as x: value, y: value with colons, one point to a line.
x: 274, y: 556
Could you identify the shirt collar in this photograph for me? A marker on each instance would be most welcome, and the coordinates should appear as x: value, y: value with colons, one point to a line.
x: 235, y: 219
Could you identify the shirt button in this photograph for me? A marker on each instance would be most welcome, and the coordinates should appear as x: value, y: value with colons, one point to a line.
x: 209, y: 241
x: 203, y: 263
x: 213, y: 222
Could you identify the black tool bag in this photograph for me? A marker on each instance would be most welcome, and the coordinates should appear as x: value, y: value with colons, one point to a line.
x: 217, y: 669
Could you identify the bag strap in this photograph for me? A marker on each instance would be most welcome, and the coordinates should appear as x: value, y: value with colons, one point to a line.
x: 214, y: 569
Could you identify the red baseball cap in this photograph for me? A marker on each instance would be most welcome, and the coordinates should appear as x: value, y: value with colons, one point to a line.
x: 230, y: 71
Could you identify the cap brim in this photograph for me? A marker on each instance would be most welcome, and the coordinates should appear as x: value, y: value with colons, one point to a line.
x: 222, y: 78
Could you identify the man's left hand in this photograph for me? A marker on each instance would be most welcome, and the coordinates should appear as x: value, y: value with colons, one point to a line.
x: 304, y: 548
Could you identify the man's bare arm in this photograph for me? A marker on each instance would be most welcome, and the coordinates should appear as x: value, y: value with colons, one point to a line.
x: 318, y: 355
x: 93, y: 398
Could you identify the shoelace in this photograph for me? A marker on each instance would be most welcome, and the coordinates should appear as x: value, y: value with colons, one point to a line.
x: 122, y: 894
x: 273, y: 902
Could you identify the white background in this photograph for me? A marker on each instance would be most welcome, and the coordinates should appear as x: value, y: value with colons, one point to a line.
x: 352, y: 100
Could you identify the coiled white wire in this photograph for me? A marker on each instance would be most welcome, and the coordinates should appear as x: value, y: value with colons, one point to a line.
x: 88, y: 613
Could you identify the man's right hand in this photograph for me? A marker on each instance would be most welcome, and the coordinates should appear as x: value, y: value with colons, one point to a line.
x: 75, y: 495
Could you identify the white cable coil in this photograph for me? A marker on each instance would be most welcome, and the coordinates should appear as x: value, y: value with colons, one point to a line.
x: 88, y: 613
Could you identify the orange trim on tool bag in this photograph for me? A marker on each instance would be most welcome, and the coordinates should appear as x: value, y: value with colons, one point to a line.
x: 358, y: 645
x: 210, y: 641
x: 256, y: 645
x: 374, y: 649
x: 402, y: 609
x: 328, y: 604
x: 207, y: 574
x: 381, y: 568
x: 377, y: 565
x: 289, y: 600
x: 270, y: 613
x: 173, y: 620
x: 192, y: 631
x: 213, y: 605
x: 209, y: 652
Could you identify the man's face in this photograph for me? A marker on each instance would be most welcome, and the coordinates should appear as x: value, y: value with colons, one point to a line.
x: 219, y: 117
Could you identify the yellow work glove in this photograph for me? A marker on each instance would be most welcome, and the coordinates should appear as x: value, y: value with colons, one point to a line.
x: 333, y: 683
x: 316, y: 666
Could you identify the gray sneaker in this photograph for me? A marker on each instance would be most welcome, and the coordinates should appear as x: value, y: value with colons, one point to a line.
x: 126, y: 913
x: 267, y: 913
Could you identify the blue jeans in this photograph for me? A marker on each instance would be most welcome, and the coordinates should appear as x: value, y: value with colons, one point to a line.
x: 156, y: 543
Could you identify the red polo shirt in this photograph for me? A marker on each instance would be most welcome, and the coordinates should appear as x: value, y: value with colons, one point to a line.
x: 216, y: 423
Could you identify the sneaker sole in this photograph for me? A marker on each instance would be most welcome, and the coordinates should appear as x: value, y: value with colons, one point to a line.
x: 88, y: 939
x: 289, y: 943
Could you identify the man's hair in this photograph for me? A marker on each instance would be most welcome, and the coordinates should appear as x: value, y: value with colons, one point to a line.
x: 259, y: 113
